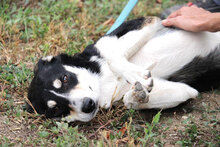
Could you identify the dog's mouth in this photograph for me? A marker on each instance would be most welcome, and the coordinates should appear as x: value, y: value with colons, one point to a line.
x: 81, y: 116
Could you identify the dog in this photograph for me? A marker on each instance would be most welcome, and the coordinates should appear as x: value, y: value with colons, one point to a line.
x: 145, y: 64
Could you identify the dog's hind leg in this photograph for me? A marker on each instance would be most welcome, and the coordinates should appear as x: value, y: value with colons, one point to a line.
x: 150, y: 27
x: 132, y: 25
x: 164, y: 94
x: 111, y: 47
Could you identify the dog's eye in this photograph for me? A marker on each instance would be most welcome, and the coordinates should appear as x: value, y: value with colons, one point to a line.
x: 65, y: 79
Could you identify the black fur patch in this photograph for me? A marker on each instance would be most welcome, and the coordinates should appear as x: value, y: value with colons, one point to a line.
x: 83, y: 59
x: 127, y: 26
x: 202, y: 73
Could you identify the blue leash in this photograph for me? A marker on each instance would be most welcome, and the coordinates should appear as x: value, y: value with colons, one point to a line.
x: 124, y: 14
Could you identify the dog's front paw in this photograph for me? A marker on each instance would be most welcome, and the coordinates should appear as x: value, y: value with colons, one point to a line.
x: 138, y: 94
x: 140, y: 75
x: 105, y: 103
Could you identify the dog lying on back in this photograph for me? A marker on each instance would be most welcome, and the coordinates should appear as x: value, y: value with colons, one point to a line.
x: 146, y: 64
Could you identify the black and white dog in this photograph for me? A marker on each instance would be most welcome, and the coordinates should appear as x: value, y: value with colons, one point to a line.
x: 146, y: 64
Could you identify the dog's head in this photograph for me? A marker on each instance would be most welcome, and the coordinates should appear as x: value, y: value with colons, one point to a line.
x: 62, y: 88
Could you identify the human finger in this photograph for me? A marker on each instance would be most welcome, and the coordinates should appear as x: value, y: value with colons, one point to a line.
x: 170, y: 22
x: 175, y: 14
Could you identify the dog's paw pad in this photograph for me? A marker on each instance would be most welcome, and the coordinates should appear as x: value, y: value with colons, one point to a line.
x: 138, y: 86
x: 139, y: 93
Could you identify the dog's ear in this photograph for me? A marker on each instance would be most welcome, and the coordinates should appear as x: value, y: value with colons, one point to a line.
x: 31, y: 109
x: 42, y: 62
x: 28, y: 108
x: 35, y: 106
x: 35, y: 98
x: 35, y: 69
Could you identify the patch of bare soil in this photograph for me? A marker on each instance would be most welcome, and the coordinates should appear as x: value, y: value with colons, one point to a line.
x: 16, y: 130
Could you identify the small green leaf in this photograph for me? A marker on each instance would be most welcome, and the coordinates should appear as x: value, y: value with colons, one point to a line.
x: 43, y: 134
x: 156, y: 118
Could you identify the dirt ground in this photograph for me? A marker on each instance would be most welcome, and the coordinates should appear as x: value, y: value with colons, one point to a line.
x: 63, y: 26
x: 202, y: 111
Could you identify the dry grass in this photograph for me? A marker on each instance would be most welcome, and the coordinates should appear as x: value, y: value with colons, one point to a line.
x: 35, y: 28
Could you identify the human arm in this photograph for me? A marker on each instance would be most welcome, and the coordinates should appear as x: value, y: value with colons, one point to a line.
x: 193, y: 19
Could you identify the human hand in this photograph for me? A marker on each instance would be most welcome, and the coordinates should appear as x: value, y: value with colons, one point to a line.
x: 192, y: 19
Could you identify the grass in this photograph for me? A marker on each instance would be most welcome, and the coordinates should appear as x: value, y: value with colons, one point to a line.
x: 30, y: 29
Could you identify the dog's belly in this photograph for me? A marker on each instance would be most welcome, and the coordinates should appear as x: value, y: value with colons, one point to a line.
x: 169, y: 52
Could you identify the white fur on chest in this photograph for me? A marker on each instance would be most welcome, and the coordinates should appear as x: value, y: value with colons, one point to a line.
x: 112, y: 87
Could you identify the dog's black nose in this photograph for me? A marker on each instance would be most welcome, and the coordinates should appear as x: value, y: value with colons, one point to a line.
x: 88, y: 105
